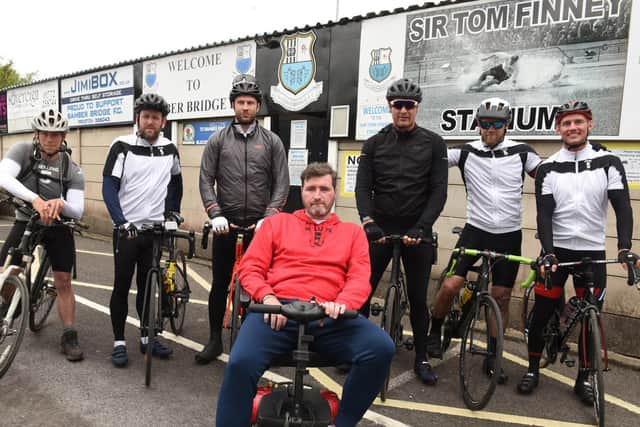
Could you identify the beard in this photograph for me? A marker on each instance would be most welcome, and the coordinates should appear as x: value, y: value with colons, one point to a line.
x: 149, y: 134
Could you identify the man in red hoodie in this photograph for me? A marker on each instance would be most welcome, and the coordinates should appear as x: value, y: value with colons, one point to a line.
x: 309, y: 253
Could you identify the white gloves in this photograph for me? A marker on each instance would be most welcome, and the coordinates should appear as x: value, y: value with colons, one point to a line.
x: 220, y: 225
x: 259, y: 223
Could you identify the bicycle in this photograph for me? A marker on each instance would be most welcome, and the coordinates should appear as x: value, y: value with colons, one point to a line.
x: 295, y: 404
x: 165, y: 298
x: 475, y: 318
x: 236, y: 302
x: 396, y: 303
x: 583, y: 310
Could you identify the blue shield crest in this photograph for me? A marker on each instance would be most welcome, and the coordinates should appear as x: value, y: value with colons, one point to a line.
x: 380, y: 67
x: 150, y: 74
x: 243, y: 59
x: 297, y: 62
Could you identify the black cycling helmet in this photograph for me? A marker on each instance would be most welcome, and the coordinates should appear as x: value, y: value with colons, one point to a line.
x: 151, y: 101
x: 574, y: 107
x: 404, y: 89
x: 494, y: 108
x: 245, y: 84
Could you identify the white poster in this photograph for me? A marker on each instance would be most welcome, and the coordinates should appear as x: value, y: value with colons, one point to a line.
x: 298, y: 134
x: 104, y: 97
x: 25, y: 102
x: 297, y: 163
x: 382, y: 46
x: 197, y: 84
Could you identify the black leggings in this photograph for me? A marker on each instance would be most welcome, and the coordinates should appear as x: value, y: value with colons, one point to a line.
x: 224, y: 257
x: 548, y: 300
x: 417, y: 266
x: 128, y: 254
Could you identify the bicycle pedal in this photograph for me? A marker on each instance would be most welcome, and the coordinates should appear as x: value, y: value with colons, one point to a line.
x: 51, y: 291
x: 376, y: 309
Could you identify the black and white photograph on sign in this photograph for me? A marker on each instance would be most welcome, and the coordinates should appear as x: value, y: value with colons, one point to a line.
x: 536, y: 54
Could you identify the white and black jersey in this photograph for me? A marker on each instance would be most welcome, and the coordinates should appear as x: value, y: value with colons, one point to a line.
x: 572, y: 193
x: 493, y: 179
x: 139, y: 178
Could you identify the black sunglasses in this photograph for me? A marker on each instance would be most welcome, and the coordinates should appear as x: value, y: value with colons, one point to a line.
x: 498, y: 124
x: 407, y: 104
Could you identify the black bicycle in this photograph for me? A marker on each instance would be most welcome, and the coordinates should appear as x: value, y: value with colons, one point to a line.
x: 585, y: 312
x: 475, y: 318
x: 160, y: 300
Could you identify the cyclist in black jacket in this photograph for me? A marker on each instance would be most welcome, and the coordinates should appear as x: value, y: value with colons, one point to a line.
x: 401, y: 188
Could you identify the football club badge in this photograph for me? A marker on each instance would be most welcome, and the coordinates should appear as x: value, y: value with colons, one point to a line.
x: 380, y: 66
x: 150, y: 76
x: 188, y: 134
x: 296, y: 72
x: 243, y: 59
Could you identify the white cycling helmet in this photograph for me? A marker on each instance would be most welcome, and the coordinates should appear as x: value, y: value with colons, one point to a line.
x: 50, y: 120
x: 494, y: 108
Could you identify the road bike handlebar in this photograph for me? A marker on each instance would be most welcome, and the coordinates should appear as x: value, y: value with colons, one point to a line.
x: 206, y: 229
x: 300, y: 311
x: 171, y: 227
x: 633, y: 272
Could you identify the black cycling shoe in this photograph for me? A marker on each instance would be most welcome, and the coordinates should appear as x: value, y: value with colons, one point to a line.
x: 489, y: 366
x: 528, y: 383
x: 584, y: 391
x: 424, y: 372
x: 434, y: 345
x: 210, y: 352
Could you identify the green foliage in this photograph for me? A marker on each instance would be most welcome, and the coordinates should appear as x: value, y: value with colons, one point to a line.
x: 10, y: 77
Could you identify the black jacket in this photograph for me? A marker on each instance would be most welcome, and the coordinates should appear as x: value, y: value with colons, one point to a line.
x: 402, y: 178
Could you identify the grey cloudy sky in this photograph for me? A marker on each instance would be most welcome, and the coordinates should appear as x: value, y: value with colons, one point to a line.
x: 56, y: 38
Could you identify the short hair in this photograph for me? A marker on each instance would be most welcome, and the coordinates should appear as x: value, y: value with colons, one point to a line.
x: 318, y: 169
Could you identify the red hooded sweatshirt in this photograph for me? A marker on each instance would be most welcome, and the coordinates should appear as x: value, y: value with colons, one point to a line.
x: 294, y: 258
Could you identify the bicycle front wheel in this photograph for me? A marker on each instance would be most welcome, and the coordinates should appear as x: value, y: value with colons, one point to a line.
x: 180, y: 295
x: 477, y: 383
x: 13, y: 321
x: 151, y: 312
x: 593, y: 341
x: 390, y: 325
x: 43, y: 293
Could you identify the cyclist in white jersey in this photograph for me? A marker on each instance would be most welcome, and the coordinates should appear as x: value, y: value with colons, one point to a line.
x: 493, y: 169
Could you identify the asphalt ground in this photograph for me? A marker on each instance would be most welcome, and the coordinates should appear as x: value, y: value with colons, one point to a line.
x: 43, y: 388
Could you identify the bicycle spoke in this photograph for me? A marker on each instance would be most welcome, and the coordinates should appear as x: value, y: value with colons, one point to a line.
x: 14, y: 320
x: 43, y: 294
x: 475, y: 351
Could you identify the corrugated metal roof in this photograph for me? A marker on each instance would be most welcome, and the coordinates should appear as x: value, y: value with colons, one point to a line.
x: 265, y: 35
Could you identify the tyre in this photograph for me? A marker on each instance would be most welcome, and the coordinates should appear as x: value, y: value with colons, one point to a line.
x: 528, y: 300
x: 13, y: 321
x: 477, y: 385
x: 179, y: 298
x: 151, y: 311
x: 236, y: 315
x: 390, y: 325
x: 43, y: 293
x: 594, y: 354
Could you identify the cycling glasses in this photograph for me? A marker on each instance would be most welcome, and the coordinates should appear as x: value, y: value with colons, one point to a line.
x: 497, y: 124
x: 407, y: 104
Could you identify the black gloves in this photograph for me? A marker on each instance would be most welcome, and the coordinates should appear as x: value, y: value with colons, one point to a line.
x: 415, y: 233
x: 626, y: 256
x: 129, y: 230
x: 548, y: 261
x: 373, y: 231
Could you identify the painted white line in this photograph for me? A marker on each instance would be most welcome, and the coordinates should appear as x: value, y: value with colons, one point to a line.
x: 131, y: 291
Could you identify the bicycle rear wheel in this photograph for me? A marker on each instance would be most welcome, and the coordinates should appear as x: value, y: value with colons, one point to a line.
x: 527, y: 312
x: 180, y: 295
x: 43, y: 292
x: 593, y: 342
x: 477, y: 385
x: 151, y: 306
x: 13, y: 321
x: 390, y: 325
